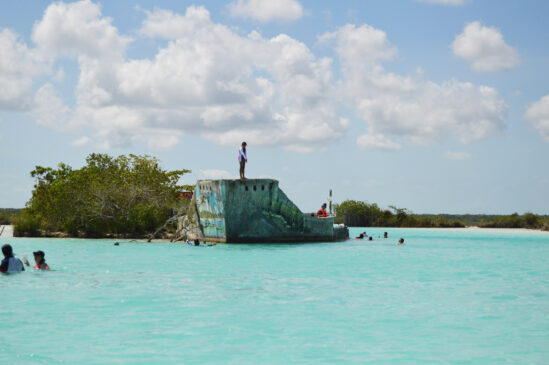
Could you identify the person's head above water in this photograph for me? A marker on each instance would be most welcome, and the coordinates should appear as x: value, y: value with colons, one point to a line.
x: 7, y: 250
x: 39, y: 256
x: 401, y: 241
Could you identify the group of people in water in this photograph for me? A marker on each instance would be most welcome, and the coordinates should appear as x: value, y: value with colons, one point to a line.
x: 363, y: 235
x: 11, y: 264
x: 196, y: 242
x: 321, y: 213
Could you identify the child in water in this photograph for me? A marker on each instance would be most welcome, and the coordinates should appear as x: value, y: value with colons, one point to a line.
x: 38, y: 259
x: 401, y: 241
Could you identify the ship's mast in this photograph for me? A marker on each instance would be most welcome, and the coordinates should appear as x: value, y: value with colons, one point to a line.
x: 330, y: 201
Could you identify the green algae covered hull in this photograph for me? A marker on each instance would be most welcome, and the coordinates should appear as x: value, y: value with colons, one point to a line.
x: 258, y: 211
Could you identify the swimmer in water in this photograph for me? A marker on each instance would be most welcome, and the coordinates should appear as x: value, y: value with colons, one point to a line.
x: 196, y: 242
x: 39, y: 260
x: 10, y: 263
x: 401, y: 241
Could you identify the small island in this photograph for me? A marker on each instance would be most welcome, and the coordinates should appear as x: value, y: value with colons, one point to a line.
x: 126, y: 197
x: 134, y: 197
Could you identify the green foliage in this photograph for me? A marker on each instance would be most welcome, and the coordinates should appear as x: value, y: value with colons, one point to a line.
x: 528, y: 220
x: 531, y: 219
x: 361, y: 214
x: 9, y: 215
x: 123, y: 195
x: 27, y: 225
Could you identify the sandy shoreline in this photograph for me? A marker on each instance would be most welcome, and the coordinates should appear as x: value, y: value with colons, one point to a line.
x: 470, y: 228
x: 515, y: 230
x: 8, y: 232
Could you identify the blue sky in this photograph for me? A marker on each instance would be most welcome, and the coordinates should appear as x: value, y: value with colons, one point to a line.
x: 438, y: 106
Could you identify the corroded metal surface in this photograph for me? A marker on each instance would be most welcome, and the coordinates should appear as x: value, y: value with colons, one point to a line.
x: 257, y: 210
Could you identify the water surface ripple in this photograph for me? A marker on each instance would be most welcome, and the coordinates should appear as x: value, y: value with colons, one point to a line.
x: 447, y: 296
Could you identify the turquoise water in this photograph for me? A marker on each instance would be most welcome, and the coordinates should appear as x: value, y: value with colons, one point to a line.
x: 447, y: 296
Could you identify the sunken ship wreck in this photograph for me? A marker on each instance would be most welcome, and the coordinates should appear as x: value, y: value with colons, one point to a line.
x: 257, y: 211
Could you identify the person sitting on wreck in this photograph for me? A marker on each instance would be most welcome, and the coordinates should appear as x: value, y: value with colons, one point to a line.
x: 322, y: 212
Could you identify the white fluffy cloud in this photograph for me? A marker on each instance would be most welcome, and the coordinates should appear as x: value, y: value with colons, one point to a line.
x: 538, y: 113
x: 49, y: 109
x: 411, y: 108
x: 267, y: 10
x: 453, y: 155
x: 82, y: 141
x: 19, y: 66
x: 379, y: 141
x: 485, y: 48
x: 167, y: 24
x: 207, y: 80
x: 361, y: 48
x: 78, y: 29
x: 444, y: 2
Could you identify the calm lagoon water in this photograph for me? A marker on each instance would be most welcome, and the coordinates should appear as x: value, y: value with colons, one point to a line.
x: 447, y: 296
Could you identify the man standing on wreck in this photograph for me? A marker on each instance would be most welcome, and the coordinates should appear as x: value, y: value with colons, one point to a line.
x: 242, y: 158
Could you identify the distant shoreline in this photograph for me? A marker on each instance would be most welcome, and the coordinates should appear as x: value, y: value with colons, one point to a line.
x: 476, y: 228
x: 168, y: 237
x: 59, y: 234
